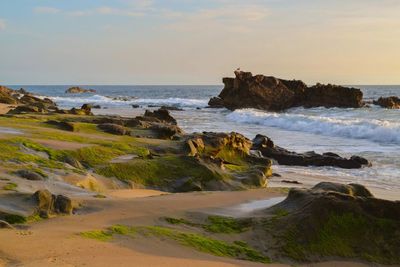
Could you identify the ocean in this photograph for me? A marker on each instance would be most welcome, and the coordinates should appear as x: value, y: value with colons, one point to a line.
x: 371, y: 132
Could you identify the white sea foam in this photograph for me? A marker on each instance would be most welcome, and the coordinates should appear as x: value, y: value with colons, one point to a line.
x: 110, y: 101
x: 377, y: 130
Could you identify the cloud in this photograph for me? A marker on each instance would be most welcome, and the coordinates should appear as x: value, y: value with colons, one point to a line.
x: 106, y: 10
x: 235, y: 18
x: 2, y: 24
x: 78, y: 13
x: 46, y: 10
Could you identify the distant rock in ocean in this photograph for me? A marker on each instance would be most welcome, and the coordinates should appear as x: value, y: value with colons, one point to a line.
x: 270, y: 93
x: 391, y: 102
x: 79, y: 90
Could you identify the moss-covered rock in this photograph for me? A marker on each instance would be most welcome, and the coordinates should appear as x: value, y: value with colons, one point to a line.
x: 334, y: 220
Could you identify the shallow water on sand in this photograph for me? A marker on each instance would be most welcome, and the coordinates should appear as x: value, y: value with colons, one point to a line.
x: 245, y: 209
x: 7, y: 130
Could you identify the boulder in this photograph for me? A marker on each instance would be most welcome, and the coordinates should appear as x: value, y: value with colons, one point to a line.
x: 166, y: 131
x: 29, y: 175
x: 63, y: 204
x: 25, y: 109
x: 392, y: 102
x: 114, y: 129
x: 44, y: 105
x: 44, y: 201
x: 64, y: 125
x: 48, y: 204
x: 270, y: 93
x: 85, y: 110
x: 162, y: 115
x: 79, y: 90
x: 284, y: 157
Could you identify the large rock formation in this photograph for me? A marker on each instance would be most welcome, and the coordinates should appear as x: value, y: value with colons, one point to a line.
x: 284, y: 157
x: 270, y: 93
x: 391, y: 102
x: 231, y: 151
x: 334, y: 220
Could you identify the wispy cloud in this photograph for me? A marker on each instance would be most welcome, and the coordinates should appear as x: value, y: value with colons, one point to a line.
x: 234, y: 18
x: 46, y: 10
x: 2, y: 24
x: 106, y: 10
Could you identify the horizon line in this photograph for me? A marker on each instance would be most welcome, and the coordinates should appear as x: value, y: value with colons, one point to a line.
x: 116, y: 84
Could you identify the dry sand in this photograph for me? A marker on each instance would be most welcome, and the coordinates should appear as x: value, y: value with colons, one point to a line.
x: 55, y: 242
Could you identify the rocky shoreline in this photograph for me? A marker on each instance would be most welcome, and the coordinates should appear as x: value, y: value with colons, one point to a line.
x: 66, y: 162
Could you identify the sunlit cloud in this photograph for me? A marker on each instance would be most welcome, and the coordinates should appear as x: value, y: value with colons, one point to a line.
x: 236, y: 18
x: 46, y: 10
x: 105, y: 10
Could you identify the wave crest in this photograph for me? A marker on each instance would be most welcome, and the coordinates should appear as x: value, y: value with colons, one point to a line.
x: 381, y: 131
x: 109, y: 101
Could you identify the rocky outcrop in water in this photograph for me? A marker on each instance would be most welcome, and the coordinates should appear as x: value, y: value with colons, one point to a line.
x: 391, y: 102
x: 273, y: 94
x: 284, y: 157
x: 79, y: 90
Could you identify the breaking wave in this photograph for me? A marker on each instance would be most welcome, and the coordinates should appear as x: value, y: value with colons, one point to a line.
x: 118, y: 102
x: 377, y: 130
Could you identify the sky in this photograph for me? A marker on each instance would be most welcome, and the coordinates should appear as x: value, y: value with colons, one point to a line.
x: 198, y: 41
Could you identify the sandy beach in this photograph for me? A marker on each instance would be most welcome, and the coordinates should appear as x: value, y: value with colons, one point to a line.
x: 56, y: 242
